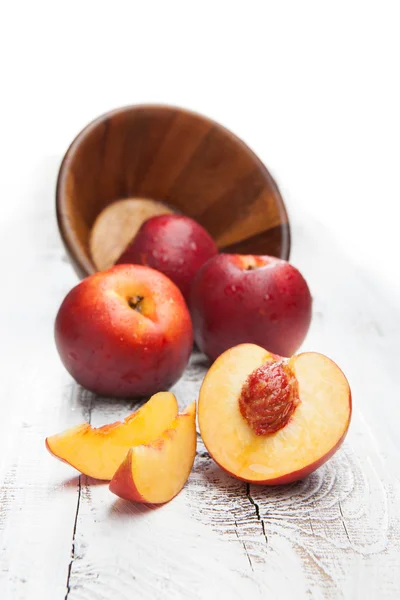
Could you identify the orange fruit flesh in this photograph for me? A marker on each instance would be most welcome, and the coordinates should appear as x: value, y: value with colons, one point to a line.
x: 99, y: 452
x: 157, y: 472
x: 318, y: 423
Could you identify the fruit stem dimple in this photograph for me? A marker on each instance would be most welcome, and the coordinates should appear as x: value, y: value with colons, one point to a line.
x: 135, y: 302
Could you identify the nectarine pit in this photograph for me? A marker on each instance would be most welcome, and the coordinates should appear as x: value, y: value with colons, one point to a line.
x: 269, y: 397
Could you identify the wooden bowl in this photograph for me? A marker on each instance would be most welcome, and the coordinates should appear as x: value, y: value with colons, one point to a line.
x: 181, y: 158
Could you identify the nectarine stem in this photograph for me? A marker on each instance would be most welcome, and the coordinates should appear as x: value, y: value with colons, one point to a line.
x: 135, y: 302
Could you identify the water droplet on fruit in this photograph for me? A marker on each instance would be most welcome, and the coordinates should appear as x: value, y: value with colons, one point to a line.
x: 193, y: 246
x: 268, y: 297
x: 230, y: 289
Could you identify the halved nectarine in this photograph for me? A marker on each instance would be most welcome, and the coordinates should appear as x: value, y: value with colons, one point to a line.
x: 98, y: 452
x: 156, y: 472
x: 270, y: 420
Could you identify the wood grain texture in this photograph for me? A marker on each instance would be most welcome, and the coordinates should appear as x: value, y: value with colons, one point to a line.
x: 38, y: 497
x: 335, y: 535
x: 172, y: 155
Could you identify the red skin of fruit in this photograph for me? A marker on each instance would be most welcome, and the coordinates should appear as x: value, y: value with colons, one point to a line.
x: 173, y: 244
x: 268, y: 305
x: 113, y: 350
x: 123, y: 485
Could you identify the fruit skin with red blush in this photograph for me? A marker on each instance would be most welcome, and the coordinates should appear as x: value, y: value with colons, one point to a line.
x: 239, y: 299
x: 124, y: 332
x: 173, y: 244
x: 156, y: 472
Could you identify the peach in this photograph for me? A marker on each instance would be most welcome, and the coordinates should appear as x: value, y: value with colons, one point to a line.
x: 124, y: 332
x: 269, y: 420
x: 239, y: 299
x: 98, y: 452
x: 173, y: 244
x: 156, y: 472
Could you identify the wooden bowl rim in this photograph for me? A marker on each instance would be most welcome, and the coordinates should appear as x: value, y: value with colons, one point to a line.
x: 67, y: 234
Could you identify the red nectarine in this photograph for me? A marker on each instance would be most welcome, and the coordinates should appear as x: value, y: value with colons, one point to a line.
x: 173, y: 244
x: 259, y: 299
x: 116, y: 226
x: 124, y: 332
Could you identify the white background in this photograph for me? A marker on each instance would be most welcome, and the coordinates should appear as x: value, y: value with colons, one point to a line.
x: 312, y: 87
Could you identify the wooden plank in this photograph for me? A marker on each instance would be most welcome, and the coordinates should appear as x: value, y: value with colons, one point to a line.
x: 333, y: 535
x: 38, y: 495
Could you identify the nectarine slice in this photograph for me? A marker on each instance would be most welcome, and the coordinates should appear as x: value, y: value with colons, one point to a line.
x: 98, y: 452
x: 273, y: 421
x: 156, y: 472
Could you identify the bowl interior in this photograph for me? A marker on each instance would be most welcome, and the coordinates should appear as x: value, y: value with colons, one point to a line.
x: 178, y: 157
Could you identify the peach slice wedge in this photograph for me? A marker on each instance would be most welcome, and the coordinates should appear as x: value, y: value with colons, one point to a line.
x: 156, y: 472
x: 98, y: 452
x: 271, y: 420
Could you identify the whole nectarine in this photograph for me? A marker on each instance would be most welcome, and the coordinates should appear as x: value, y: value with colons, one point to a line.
x: 124, y: 332
x: 257, y: 299
x: 116, y: 226
x: 173, y: 244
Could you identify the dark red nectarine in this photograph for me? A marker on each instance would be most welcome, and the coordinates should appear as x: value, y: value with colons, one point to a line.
x: 249, y: 299
x: 116, y: 226
x: 173, y: 244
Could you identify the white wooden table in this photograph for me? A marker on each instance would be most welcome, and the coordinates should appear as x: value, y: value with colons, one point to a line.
x: 312, y: 88
x: 334, y: 535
